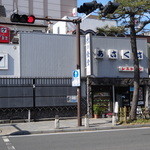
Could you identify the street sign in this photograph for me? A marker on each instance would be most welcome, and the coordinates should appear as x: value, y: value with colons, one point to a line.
x: 76, y: 78
x: 112, y: 54
x: 129, y: 69
x: 3, y: 61
x: 140, y: 54
x: 126, y: 54
x: 4, y: 34
x: 99, y: 53
x: 88, y: 54
x: 72, y: 99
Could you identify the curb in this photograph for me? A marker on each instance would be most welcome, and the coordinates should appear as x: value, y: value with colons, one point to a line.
x: 76, y: 130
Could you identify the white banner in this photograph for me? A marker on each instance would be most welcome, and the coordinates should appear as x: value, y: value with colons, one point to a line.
x: 88, y: 54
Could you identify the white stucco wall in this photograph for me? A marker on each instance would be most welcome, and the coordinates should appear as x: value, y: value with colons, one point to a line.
x: 13, y: 52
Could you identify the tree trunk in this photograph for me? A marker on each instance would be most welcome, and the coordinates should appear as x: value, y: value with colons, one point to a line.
x: 136, y: 68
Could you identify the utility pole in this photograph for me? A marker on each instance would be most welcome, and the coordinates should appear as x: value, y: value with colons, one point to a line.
x: 78, y: 21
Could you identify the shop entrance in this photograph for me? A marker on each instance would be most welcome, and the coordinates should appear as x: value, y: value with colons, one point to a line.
x: 122, y: 96
x: 102, y: 96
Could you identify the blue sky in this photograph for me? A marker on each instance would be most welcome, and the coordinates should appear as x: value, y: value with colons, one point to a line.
x: 104, y: 2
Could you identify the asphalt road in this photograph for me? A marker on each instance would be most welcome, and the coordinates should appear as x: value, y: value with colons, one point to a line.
x: 2, y: 144
x: 128, y: 139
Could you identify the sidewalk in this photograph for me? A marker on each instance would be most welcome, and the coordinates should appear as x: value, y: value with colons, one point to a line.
x: 69, y: 125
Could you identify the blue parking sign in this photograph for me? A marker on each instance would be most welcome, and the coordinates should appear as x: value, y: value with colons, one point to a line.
x: 76, y: 78
x: 75, y: 73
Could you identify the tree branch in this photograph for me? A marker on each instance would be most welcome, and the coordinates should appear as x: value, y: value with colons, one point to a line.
x: 143, y: 25
x: 113, y: 16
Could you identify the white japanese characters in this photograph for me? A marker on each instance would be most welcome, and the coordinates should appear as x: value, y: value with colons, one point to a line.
x: 114, y: 54
x: 125, y: 54
x: 88, y: 54
x: 129, y: 69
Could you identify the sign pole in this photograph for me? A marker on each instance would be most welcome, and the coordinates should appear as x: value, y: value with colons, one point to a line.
x: 78, y: 67
x: 88, y: 71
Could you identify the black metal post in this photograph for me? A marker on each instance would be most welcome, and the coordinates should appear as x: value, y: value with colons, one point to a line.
x: 78, y: 67
x: 34, y: 118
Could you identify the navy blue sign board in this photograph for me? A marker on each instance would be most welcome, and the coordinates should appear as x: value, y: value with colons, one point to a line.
x: 76, y: 78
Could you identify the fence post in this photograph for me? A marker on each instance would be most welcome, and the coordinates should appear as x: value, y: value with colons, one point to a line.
x: 115, y: 113
x: 125, y: 114
x: 34, y: 105
x: 121, y: 114
x: 57, y: 123
x: 114, y: 120
x: 86, y: 120
x: 29, y: 115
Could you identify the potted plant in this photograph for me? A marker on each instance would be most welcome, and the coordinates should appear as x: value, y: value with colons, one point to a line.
x: 98, y: 110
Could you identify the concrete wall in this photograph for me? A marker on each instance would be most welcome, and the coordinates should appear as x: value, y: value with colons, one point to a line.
x: 46, y: 55
x: 106, y: 67
x: 13, y: 53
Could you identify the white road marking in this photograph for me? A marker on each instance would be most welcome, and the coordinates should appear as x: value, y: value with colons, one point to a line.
x: 6, y: 140
x: 8, y: 143
x: 80, y: 132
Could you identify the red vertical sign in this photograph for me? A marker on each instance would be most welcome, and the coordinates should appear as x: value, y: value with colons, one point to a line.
x: 4, y: 34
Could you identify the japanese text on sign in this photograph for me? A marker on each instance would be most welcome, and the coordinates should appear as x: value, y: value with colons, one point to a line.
x: 4, y: 34
x: 88, y: 54
x: 99, y: 53
x: 112, y: 54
